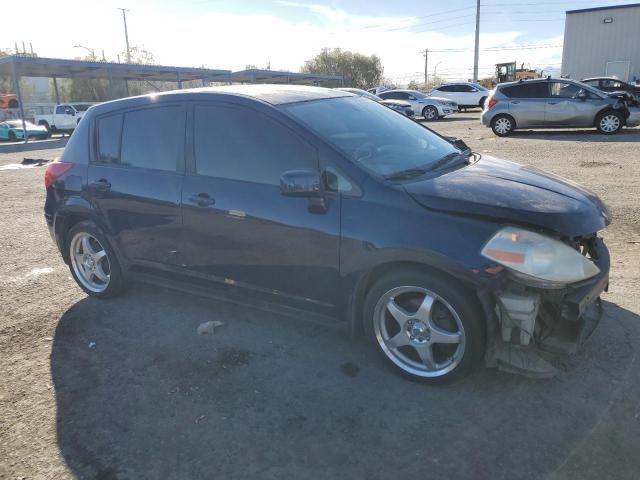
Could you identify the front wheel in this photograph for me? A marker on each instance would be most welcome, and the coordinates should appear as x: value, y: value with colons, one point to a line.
x: 430, y: 113
x: 425, y: 326
x: 92, y: 261
x: 609, y: 123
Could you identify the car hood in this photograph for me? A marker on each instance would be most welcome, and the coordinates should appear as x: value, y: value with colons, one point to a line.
x: 507, y: 192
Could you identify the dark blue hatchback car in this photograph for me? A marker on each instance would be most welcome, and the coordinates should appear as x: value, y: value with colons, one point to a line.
x: 444, y: 258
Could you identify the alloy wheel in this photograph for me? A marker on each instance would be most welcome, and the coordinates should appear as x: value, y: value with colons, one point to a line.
x: 419, y: 331
x: 430, y: 113
x: 90, y: 262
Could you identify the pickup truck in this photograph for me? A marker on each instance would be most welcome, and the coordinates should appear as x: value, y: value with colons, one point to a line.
x: 64, y: 118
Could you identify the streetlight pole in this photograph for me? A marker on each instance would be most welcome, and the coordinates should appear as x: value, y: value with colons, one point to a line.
x: 126, y: 33
x: 90, y: 50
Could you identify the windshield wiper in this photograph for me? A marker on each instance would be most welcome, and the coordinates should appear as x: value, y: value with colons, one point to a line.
x: 448, y: 158
x: 404, y: 174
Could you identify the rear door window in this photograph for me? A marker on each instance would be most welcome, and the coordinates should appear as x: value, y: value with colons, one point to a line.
x: 153, y: 137
x: 531, y: 90
x: 238, y: 143
x: 109, y: 129
x: 564, y: 90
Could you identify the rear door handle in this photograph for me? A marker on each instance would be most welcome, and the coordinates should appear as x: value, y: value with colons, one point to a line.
x: 202, y: 199
x: 516, y: 101
x: 552, y: 103
x: 102, y: 185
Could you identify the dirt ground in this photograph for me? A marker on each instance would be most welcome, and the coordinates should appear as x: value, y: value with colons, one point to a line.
x: 127, y: 389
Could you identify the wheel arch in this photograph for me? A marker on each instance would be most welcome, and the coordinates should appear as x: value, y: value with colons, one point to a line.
x: 366, y: 280
x: 608, y: 109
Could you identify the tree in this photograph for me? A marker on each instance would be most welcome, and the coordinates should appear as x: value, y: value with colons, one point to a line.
x: 358, y: 70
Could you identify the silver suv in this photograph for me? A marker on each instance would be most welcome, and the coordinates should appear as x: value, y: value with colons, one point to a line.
x: 552, y: 103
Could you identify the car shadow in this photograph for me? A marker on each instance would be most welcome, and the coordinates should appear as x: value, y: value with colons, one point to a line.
x: 140, y: 394
x: 591, y: 135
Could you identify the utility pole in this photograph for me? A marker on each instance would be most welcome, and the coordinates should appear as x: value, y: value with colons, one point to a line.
x: 426, y: 72
x: 477, y: 49
x: 126, y: 33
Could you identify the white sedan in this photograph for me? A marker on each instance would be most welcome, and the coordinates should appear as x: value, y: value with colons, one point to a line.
x: 431, y: 108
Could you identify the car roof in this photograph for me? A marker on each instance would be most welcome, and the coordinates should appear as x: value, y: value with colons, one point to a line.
x: 264, y: 93
x: 603, y: 78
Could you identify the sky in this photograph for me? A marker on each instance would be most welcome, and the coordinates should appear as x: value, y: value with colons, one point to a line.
x: 231, y: 34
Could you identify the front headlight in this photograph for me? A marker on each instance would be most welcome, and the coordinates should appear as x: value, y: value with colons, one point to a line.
x: 539, y: 257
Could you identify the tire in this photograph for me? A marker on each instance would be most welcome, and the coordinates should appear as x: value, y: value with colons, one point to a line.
x: 609, y: 123
x: 481, y: 102
x: 503, y: 125
x: 12, y: 136
x: 431, y: 314
x: 97, y: 273
x: 430, y: 113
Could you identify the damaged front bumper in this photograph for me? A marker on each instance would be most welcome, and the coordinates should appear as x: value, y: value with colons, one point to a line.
x: 531, y: 328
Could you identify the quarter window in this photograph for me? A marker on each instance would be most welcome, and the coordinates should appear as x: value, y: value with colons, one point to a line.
x: 241, y: 144
x: 153, y: 137
x: 109, y: 130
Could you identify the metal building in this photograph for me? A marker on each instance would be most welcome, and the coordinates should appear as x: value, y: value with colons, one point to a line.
x: 602, y: 41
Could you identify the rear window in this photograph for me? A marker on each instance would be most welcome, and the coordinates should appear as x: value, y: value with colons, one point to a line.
x: 77, y: 149
x: 524, y: 90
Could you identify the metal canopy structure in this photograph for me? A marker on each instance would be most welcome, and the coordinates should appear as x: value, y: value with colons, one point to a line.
x: 275, y: 76
x: 18, y: 66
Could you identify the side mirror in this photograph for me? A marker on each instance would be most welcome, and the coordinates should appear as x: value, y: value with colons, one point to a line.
x: 582, y: 95
x: 458, y: 143
x: 301, y: 183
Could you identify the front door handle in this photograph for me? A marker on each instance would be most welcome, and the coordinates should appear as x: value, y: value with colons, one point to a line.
x: 202, y: 199
x: 102, y: 185
x: 552, y: 103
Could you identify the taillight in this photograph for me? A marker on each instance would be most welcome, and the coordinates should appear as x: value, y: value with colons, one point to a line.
x: 492, y: 101
x: 54, y: 171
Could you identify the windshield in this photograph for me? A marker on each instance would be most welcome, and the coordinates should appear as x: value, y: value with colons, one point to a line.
x: 372, y: 135
x: 18, y: 124
x: 81, y: 107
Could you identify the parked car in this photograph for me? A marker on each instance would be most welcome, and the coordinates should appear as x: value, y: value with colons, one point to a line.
x: 608, y: 84
x: 553, y: 103
x: 401, y: 107
x: 13, y: 130
x: 443, y: 257
x: 466, y: 95
x: 9, y: 101
x: 431, y: 108
x: 65, y: 117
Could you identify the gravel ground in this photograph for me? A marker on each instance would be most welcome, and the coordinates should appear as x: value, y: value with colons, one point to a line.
x: 127, y: 389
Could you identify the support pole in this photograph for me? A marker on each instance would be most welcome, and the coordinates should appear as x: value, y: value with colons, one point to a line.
x: 16, y: 84
x: 55, y: 89
x: 126, y: 86
x: 179, y: 81
x: 426, y: 72
x: 110, y: 84
x: 477, y: 46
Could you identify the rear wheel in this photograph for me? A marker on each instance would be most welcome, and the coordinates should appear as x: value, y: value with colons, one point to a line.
x: 92, y: 261
x: 502, y: 125
x: 609, y: 123
x: 430, y: 113
x: 425, y: 326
